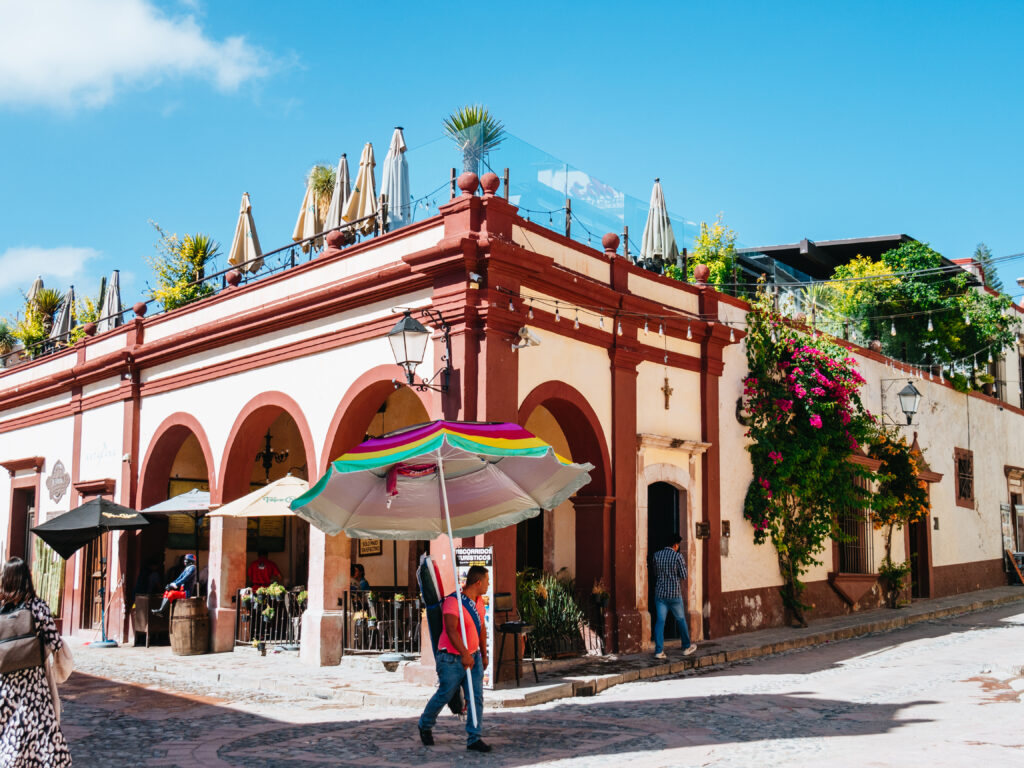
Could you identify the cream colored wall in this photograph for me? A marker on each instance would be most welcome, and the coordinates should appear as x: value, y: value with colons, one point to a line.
x: 682, y: 419
x: 562, y: 519
x: 102, y: 445
x: 563, y: 255
x: 583, y: 366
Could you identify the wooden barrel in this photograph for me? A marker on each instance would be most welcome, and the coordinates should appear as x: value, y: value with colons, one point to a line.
x: 190, y: 627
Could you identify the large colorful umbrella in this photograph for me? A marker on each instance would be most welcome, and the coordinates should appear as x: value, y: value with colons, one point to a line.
x: 450, y: 477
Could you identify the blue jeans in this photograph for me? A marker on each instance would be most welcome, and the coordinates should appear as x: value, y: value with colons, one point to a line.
x: 450, y: 675
x: 663, y: 606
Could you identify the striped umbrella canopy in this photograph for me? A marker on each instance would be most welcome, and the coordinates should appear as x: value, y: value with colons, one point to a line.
x: 494, y: 475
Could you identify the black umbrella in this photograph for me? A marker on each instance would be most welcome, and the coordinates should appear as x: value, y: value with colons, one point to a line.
x: 69, y: 532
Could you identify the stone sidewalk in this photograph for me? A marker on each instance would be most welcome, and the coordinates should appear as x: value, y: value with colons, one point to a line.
x: 362, y: 681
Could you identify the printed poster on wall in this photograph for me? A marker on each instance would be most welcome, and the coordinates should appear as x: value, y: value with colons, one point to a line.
x: 465, y: 558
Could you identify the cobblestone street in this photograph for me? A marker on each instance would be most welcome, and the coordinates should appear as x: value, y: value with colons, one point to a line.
x: 941, y: 693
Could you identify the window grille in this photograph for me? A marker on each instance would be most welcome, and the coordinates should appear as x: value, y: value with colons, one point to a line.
x: 963, y: 461
x: 856, y: 552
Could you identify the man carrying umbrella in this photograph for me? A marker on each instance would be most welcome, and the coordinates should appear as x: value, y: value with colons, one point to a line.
x: 182, y: 587
x: 458, y: 663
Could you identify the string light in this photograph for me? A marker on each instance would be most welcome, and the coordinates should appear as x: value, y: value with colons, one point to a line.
x: 511, y: 306
x: 530, y: 313
x: 990, y: 355
x: 892, y: 329
x: 619, y: 331
x: 558, y: 317
x: 600, y: 321
x: 942, y: 377
x: 576, y: 322
x: 661, y: 329
x: 930, y: 326
x: 689, y: 333
x: 967, y: 319
x: 645, y: 326
x: 732, y: 334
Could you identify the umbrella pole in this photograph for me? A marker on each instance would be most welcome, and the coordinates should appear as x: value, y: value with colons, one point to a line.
x: 104, y: 642
x: 458, y: 587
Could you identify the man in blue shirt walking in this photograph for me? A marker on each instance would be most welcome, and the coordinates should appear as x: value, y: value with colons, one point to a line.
x: 670, y: 571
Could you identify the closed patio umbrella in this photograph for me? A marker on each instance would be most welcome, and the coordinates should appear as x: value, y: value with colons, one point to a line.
x: 37, y: 286
x: 65, y: 320
x: 110, y: 311
x: 308, y: 223
x: 394, y: 182
x: 339, y: 198
x: 363, y: 201
x: 457, y: 478
x: 658, y: 246
x: 245, y: 250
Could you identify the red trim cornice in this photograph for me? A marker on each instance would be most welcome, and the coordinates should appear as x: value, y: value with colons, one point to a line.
x: 104, y: 487
x: 17, y: 465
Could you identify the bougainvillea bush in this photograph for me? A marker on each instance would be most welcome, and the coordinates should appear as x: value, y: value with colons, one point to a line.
x: 805, y: 421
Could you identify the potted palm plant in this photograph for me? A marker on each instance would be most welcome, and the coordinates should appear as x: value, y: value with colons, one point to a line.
x: 475, y: 132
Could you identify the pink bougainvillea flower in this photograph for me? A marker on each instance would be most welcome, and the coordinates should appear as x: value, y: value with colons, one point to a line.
x: 775, y: 456
x: 815, y: 421
x: 784, y: 404
x: 799, y: 391
x: 764, y: 483
x: 844, y: 417
x: 818, y: 391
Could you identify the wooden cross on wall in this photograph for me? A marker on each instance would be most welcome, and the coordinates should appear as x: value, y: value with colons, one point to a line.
x: 668, y: 392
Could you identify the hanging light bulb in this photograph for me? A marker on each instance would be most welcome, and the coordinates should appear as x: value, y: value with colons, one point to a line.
x: 990, y: 356
x: 645, y: 326
x: 732, y: 334
x: 511, y: 306
x: 530, y: 313
x: 967, y: 319
x: 892, y: 329
x: 558, y: 317
x: 930, y: 326
x: 576, y: 322
x: 666, y: 358
x: 942, y: 377
x: 600, y: 321
x: 661, y: 329
x: 689, y: 333
x: 619, y: 330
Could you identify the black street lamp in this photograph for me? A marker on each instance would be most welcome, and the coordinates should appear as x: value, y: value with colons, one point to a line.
x: 910, y: 399
x: 408, y: 340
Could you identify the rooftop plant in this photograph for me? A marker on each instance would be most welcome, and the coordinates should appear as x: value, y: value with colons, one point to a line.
x: 180, y: 267
x: 714, y: 246
x: 322, y: 178
x: 475, y: 132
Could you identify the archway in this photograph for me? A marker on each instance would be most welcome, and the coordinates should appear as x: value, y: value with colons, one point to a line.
x: 577, y: 535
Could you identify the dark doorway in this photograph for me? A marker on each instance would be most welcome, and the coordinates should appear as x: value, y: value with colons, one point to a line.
x: 1017, y: 515
x: 530, y: 544
x: 662, y: 523
x: 23, y: 511
x: 920, y: 558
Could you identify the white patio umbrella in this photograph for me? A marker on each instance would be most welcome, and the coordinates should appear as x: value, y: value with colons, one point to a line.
x: 659, y: 243
x: 194, y: 503
x: 308, y: 223
x: 363, y: 201
x: 65, y: 320
x: 37, y: 286
x: 339, y: 198
x: 394, y: 182
x: 245, y: 245
x: 272, y: 500
x: 110, y: 311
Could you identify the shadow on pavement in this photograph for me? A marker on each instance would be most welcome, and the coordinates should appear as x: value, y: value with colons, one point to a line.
x: 116, y: 725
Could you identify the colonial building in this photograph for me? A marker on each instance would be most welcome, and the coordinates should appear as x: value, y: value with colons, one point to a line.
x: 635, y: 373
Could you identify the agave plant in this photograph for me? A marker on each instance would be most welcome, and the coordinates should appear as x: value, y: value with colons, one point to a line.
x: 475, y: 132
x: 322, y: 177
x: 46, y: 302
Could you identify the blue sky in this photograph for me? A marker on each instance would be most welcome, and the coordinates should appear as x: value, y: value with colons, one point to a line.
x: 819, y: 120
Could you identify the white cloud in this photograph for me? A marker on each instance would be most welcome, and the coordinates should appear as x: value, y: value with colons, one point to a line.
x: 70, y: 53
x: 58, y: 266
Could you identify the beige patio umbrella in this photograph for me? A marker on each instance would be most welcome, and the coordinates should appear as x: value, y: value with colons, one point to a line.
x: 658, y: 246
x: 37, y: 286
x: 271, y: 500
x: 245, y: 245
x: 339, y: 198
x: 308, y: 223
x: 363, y: 202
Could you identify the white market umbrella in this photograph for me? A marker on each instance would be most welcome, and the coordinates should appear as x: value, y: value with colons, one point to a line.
x: 659, y: 243
x: 65, y: 320
x: 308, y: 223
x: 394, y: 182
x: 245, y: 245
x: 194, y: 503
x: 339, y: 198
x: 111, y: 309
x: 272, y: 500
x: 363, y: 201
x: 37, y: 286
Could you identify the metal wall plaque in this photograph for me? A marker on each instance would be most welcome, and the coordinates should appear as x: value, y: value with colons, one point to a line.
x: 58, y: 481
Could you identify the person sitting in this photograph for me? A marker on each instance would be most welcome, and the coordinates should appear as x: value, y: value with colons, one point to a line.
x: 358, y: 576
x: 181, y: 587
x: 263, y: 571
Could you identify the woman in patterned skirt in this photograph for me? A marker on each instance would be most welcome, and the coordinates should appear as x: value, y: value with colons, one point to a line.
x: 30, y: 735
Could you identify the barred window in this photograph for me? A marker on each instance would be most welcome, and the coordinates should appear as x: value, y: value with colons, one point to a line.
x: 856, y: 554
x: 963, y: 462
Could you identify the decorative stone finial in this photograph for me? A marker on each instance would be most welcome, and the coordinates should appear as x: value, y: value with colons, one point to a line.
x: 610, y: 241
x: 234, y: 277
x: 140, y: 309
x: 468, y: 183
x: 335, y: 239
x: 701, y: 273
x: 90, y: 329
x: 490, y: 182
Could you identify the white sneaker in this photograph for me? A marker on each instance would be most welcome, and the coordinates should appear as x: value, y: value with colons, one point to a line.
x: 660, y: 655
x: 690, y: 651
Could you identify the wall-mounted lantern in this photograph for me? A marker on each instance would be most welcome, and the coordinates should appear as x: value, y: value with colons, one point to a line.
x: 408, y: 340
x: 703, y: 530
x: 910, y: 399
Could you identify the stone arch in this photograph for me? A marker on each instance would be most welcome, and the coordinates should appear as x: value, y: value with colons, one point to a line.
x: 256, y: 417
x: 163, y: 448
x: 356, y: 409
